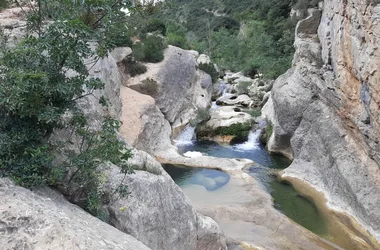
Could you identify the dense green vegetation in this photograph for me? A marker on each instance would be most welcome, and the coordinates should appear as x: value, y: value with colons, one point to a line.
x: 36, y: 90
x: 209, y: 69
x: 249, y: 35
x: 150, y: 49
x: 3, y: 4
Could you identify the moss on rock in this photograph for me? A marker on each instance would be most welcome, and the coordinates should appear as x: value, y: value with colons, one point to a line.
x: 239, y: 132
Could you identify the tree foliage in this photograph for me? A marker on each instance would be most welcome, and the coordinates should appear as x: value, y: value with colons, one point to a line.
x: 40, y: 81
x: 248, y: 35
x: 3, y: 4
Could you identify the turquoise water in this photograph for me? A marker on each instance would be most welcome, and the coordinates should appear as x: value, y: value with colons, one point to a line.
x: 285, y: 197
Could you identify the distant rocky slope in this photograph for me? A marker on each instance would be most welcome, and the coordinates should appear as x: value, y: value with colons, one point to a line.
x: 325, y: 109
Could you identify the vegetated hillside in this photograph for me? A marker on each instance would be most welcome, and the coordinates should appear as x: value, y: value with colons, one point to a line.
x: 249, y: 35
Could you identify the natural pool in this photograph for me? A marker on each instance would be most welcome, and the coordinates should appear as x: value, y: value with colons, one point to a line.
x: 208, y: 178
x: 285, y: 197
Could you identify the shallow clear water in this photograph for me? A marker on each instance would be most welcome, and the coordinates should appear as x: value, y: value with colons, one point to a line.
x: 286, y: 199
x: 209, y: 178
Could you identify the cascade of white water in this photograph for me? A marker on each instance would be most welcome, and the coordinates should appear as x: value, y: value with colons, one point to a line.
x: 186, y: 137
x: 252, y: 143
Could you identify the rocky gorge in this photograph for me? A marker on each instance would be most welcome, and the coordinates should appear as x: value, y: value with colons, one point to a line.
x: 324, y: 114
x: 326, y: 104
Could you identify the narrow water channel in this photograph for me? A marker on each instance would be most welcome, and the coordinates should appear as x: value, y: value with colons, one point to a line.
x: 286, y: 199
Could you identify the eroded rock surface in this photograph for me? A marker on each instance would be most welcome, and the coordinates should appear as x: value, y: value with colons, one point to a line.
x: 325, y: 110
x: 47, y: 221
x: 234, y: 100
x: 159, y: 214
x: 180, y: 88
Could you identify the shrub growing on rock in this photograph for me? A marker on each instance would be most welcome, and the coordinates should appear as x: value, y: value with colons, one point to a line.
x: 267, y: 132
x: 209, y: 69
x: 132, y: 67
x: 151, y: 49
x: 147, y: 87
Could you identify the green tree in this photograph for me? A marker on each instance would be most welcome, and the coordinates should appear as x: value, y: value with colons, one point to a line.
x: 3, y: 4
x: 37, y: 88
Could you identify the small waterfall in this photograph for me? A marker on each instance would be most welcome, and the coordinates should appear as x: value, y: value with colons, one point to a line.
x: 214, y: 106
x: 186, y: 137
x: 252, y: 143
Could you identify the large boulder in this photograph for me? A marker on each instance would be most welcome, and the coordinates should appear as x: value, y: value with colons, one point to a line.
x: 144, y: 126
x: 158, y: 213
x: 45, y: 220
x: 227, y: 124
x: 176, y: 84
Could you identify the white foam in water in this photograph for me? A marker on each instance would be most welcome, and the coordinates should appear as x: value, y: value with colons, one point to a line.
x: 192, y: 154
x: 252, y: 143
x: 214, y: 106
x: 186, y: 138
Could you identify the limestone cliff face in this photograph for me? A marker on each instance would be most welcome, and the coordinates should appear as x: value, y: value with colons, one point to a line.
x: 180, y: 88
x: 325, y: 110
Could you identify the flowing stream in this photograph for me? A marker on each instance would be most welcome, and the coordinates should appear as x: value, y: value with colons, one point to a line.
x: 286, y: 199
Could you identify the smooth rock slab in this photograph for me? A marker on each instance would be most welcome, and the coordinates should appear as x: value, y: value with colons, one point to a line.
x: 47, y: 221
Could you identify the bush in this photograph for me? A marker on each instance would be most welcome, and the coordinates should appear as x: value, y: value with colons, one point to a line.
x: 176, y: 40
x: 147, y: 87
x: 151, y: 49
x: 156, y: 25
x: 209, y: 69
x: 254, y: 112
x: 132, y: 67
x: 264, y: 44
x: 3, y: 4
x: 268, y: 130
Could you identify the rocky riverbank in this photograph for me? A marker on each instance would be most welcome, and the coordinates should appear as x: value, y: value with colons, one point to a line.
x: 324, y: 110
